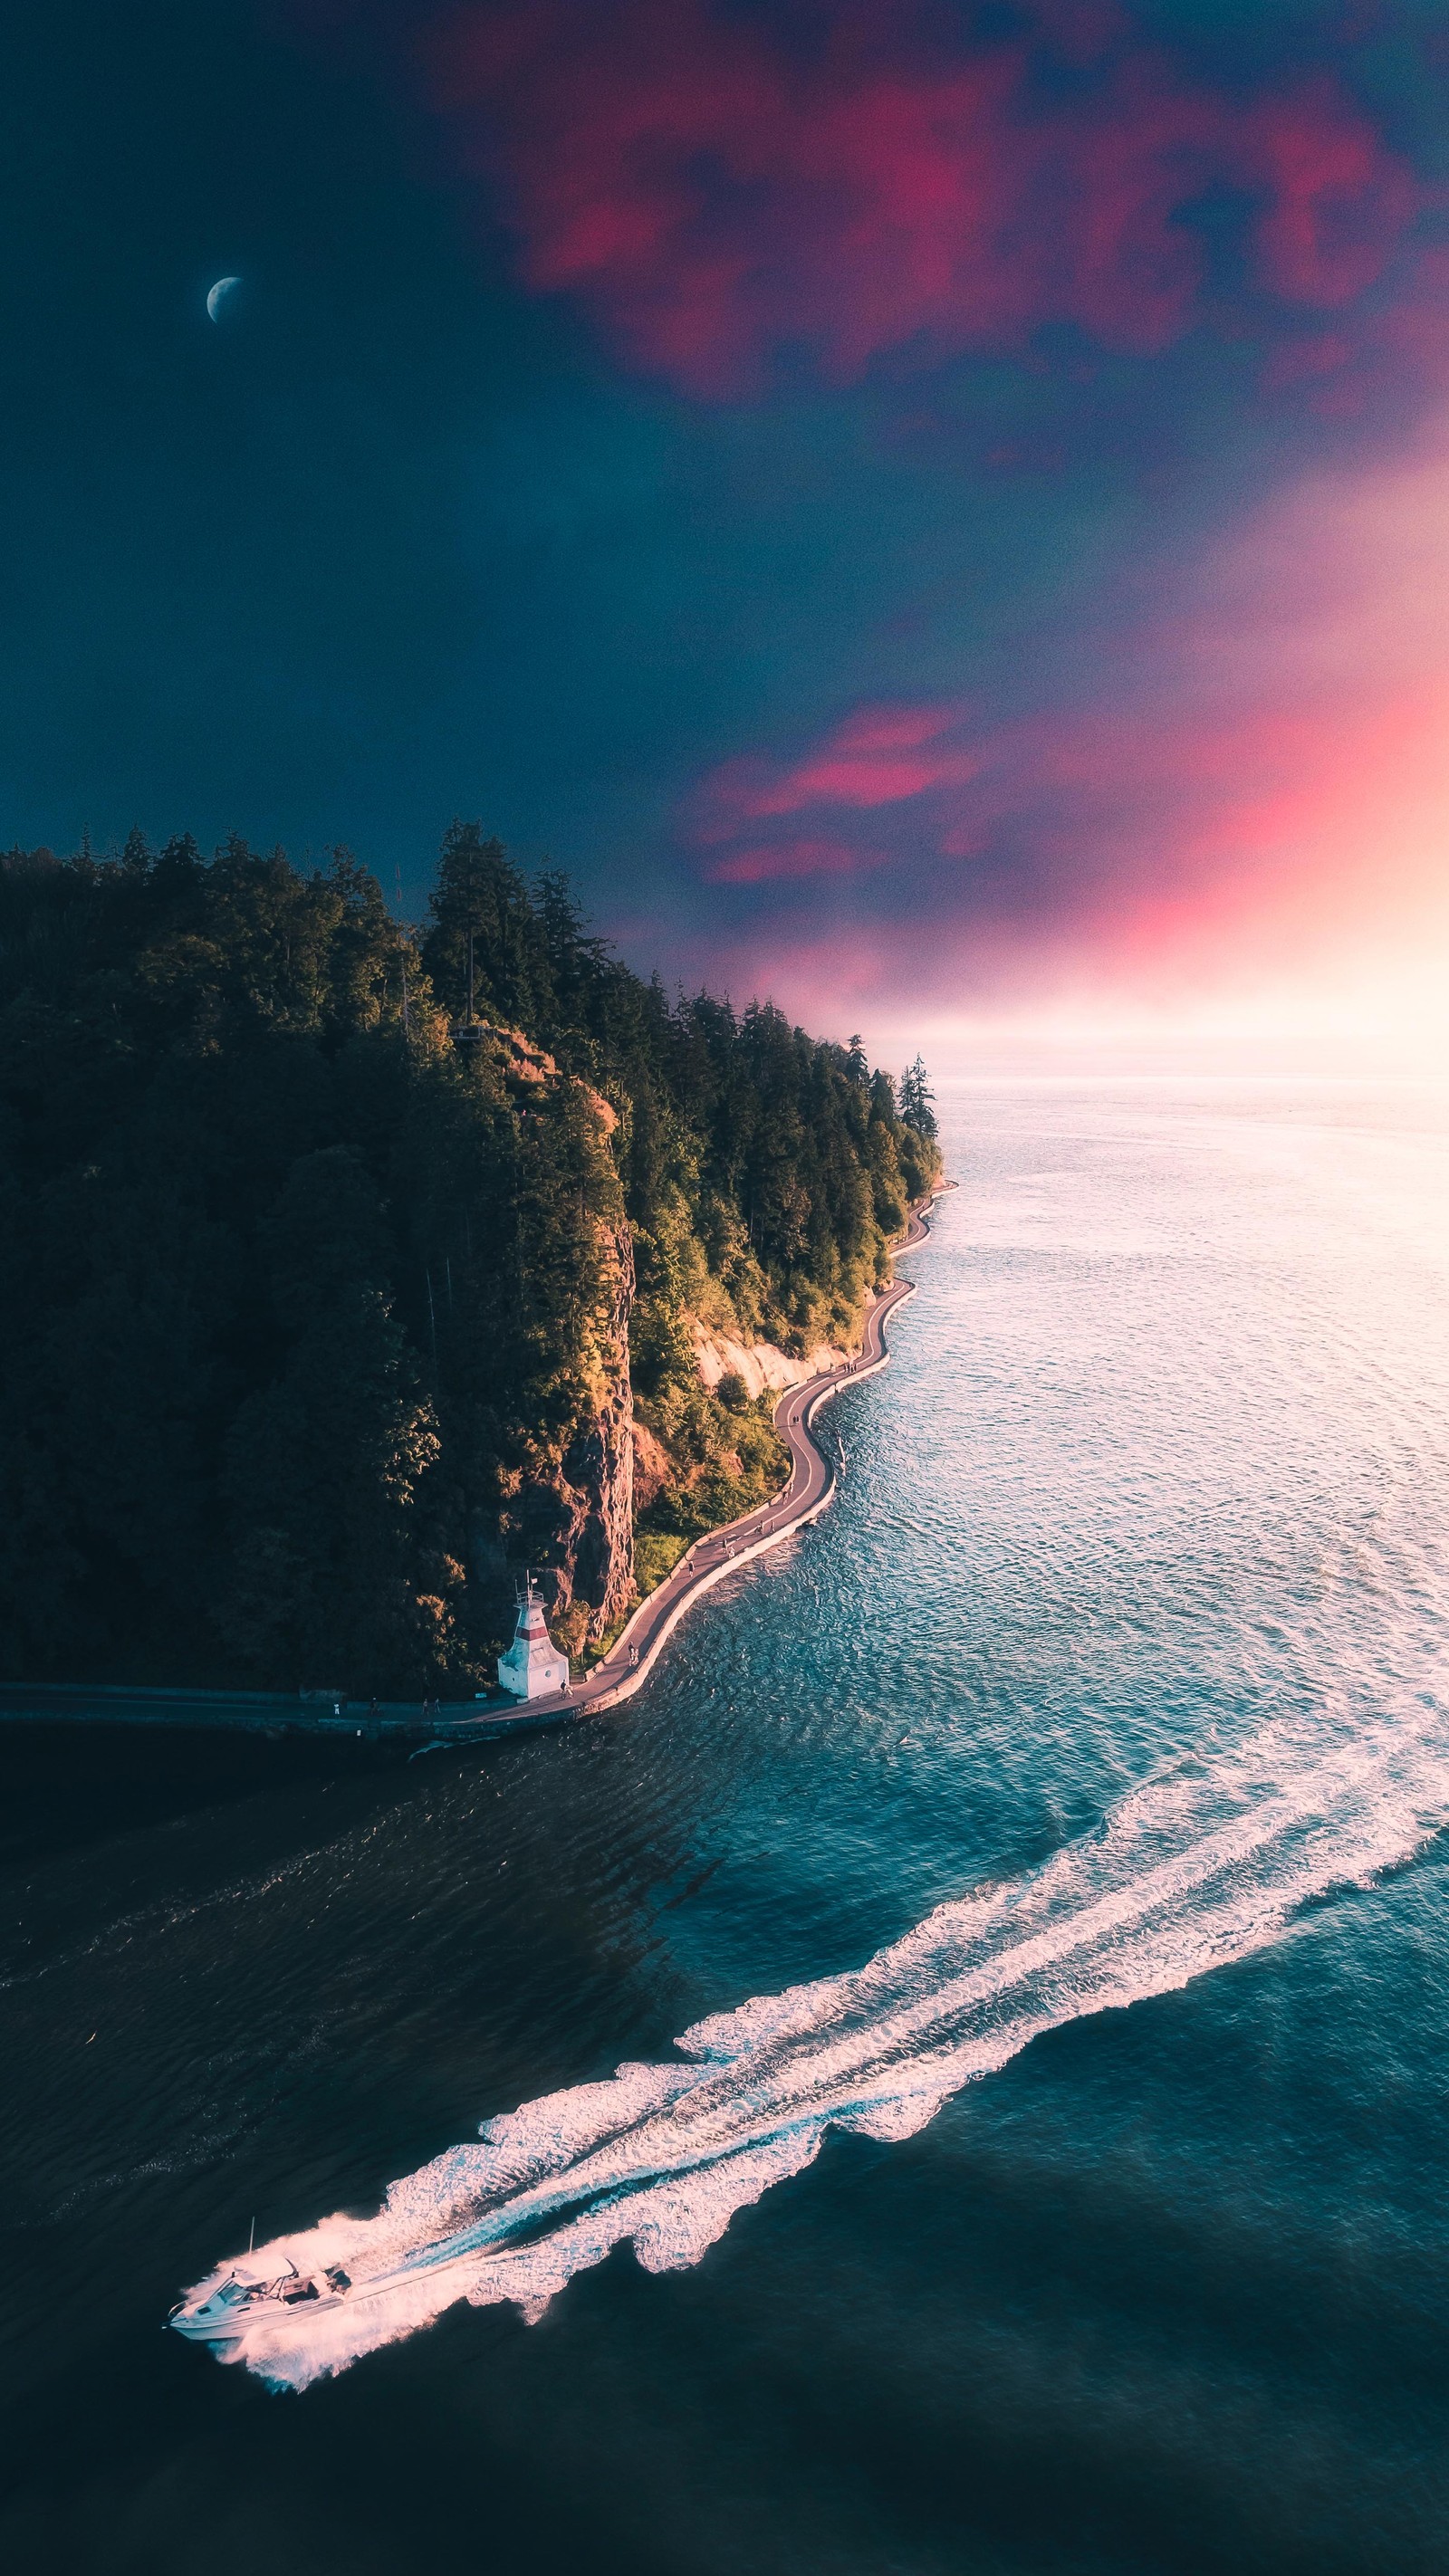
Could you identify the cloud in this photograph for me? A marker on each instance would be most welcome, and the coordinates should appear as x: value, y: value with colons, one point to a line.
x: 722, y: 191
x: 881, y: 755
x: 1340, y: 372
x: 770, y: 862
x: 1255, y: 772
x: 1333, y: 199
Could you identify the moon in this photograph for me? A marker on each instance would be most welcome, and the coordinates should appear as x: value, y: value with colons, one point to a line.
x: 218, y: 294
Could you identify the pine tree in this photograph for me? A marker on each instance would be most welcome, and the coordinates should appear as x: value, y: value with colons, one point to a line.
x: 918, y: 1101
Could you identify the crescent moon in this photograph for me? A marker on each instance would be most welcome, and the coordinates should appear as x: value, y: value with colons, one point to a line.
x: 218, y: 294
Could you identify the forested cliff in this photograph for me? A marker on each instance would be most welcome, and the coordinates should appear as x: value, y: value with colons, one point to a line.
x: 330, y: 1296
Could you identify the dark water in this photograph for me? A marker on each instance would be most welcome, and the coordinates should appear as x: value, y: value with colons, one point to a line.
x: 1100, y: 2227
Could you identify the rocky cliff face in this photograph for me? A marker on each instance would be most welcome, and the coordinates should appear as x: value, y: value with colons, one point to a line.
x: 761, y: 1365
x: 577, y: 1530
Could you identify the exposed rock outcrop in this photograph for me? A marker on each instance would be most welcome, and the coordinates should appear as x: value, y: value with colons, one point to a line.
x: 577, y: 1530
x: 652, y: 1468
x: 719, y: 1354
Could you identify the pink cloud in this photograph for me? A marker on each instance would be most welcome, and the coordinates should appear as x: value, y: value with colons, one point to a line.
x: 776, y: 861
x: 717, y: 189
x: 1259, y: 776
x: 882, y: 755
x: 1334, y: 199
x: 1403, y: 340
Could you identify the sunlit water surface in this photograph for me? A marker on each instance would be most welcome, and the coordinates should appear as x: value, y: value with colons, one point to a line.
x: 962, y: 2058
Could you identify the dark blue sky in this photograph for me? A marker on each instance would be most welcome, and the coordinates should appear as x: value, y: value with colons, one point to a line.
x: 604, y: 443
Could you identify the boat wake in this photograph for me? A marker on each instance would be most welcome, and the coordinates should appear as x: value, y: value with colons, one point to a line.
x: 1192, y: 1869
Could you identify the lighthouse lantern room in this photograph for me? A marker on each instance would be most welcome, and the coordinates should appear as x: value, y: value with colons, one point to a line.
x: 533, y: 1665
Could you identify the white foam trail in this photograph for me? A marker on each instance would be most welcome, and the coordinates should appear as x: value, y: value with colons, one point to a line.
x: 1189, y: 1871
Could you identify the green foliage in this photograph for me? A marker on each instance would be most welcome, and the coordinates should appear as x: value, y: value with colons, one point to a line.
x: 301, y: 1301
x: 918, y: 1102
x: 728, y: 1457
x: 323, y: 1471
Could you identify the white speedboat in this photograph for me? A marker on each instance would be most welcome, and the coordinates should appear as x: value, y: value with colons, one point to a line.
x: 267, y: 2300
x: 231, y: 2303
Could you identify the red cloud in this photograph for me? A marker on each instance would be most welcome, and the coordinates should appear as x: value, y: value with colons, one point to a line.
x: 718, y: 189
x: 882, y: 755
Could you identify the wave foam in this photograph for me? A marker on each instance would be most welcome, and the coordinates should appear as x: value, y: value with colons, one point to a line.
x: 1191, y: 1870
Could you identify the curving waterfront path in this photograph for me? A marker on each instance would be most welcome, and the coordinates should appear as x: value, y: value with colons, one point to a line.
x: 809, y: 1489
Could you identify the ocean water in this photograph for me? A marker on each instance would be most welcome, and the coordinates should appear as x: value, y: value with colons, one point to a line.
x: 954, y: 2077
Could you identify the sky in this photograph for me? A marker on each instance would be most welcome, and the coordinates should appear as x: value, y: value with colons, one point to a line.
x: 938, y: 512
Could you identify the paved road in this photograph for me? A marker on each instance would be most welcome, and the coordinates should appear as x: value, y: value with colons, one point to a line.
x: 811, y: 1482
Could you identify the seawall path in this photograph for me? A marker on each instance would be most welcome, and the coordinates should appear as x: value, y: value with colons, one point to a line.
x: 810, y: 1488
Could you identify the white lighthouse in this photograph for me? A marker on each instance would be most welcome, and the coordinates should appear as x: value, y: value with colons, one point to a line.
x: 533, y: 1664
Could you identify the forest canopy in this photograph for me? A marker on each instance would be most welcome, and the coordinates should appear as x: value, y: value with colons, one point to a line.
x: 335, y: 1250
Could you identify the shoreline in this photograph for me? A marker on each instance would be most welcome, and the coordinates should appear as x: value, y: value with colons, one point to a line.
x: 609, y: 1683
x: 810, y: 1490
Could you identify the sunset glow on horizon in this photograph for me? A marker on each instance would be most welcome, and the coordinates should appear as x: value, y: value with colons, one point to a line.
x: 1192, y: 786
x: 936, y: 513
x: 1235, y: 829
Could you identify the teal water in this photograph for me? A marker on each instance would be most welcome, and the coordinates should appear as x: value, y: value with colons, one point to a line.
x: 1098, y: 2225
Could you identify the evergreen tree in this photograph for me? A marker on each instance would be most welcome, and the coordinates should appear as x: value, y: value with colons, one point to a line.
x: 917, y: 1101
